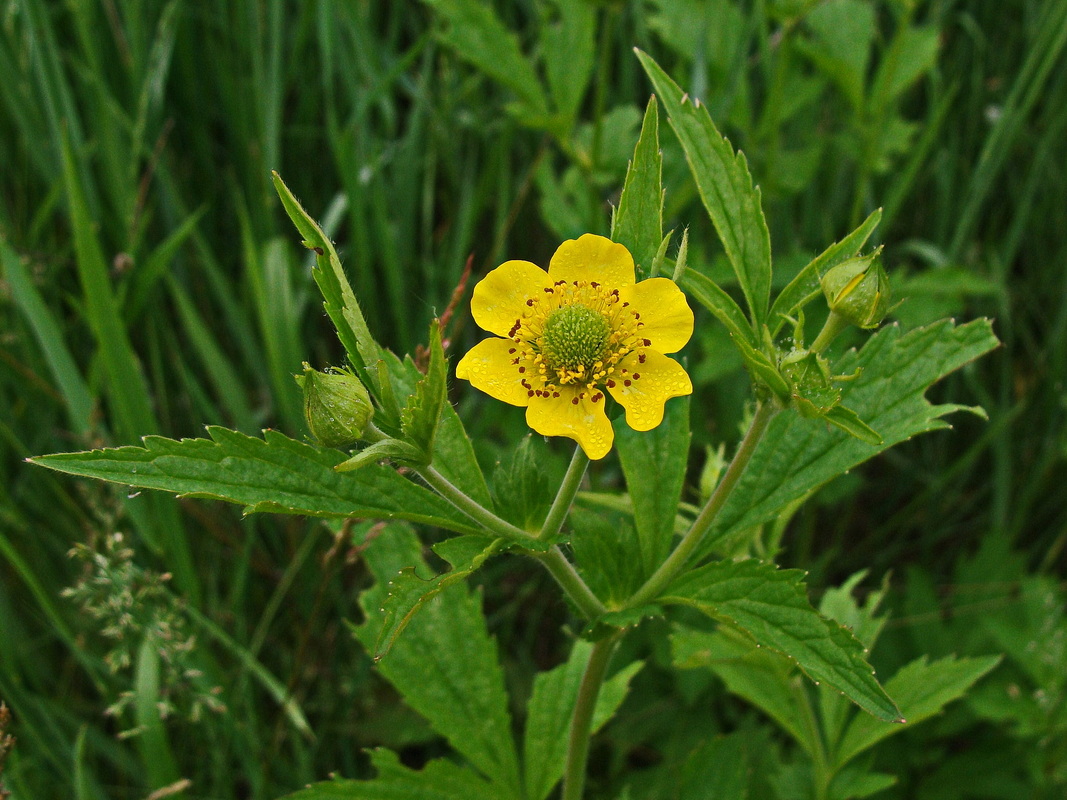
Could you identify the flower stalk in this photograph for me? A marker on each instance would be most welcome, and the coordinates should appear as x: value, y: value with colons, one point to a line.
x: 677, y: 560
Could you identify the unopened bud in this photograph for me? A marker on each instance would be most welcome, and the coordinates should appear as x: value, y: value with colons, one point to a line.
x: 858, y: 290
x: 337, y: 406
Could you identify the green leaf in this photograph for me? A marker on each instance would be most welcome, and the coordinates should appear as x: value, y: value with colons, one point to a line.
x: 275, y: 474
x: 805, y: 286
x: 607, y: 552
x: 339, y: 299
x: 408, y: 592
x: 921, y: 690
x: 549, y: 715
x: 638, y: 222
x: 654, y: 464
x: 445, y: 665
x: 796, y: 455
x: 568, y: 49
x: 421, y: 415
x: 771, y: 605
x: 438, y: 780
x: 710, y: 295
x: 844, y: 31
x: 522, y: 485
x: 912, y: 53
x: 476, y: 33
x: 726, y: 188
x: 761, y: 677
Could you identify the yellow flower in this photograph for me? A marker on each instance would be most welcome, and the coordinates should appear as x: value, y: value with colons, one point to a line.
x: 572, y: 332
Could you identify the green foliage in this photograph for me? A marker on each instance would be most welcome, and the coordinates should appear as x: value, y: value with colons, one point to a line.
x: 798, y: 455
x: 145, y: 265
x: 273, y: 474
x: 771, y: 606
x: 725, y: 186
x: 638, y: 222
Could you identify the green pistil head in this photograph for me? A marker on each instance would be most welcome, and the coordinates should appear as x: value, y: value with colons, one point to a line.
x: 575, y: 336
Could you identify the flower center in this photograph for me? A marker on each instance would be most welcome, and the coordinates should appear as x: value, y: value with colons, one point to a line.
x: 574, y: 339
x: 575, y: 335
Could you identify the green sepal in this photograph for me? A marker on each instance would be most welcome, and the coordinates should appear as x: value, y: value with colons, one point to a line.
x: 337, y: 406
x: 848, y: 420
x: 805, y: 286
x: 763, y: 370
x: 812, y: 393
x: 422, y: 413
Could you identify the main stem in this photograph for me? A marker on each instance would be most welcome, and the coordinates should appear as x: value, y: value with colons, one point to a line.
x: 677, y: 560
x: 582, y: 720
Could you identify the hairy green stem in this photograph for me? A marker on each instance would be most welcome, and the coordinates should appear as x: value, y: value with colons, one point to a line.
x: 555, y: 562
x: 677, y: 560
x: 582, y: 720
x: 472, y: 508
x: 571, y: 582
x: 565, y: 496
x: 835, y: 323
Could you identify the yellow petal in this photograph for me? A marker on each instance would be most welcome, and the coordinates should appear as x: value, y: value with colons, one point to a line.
x: 642, y: 387
x: 500, y: 297
x: 592, y: 258
x: 666, y: 317
x: 488, y: 367
x: 584, y: 421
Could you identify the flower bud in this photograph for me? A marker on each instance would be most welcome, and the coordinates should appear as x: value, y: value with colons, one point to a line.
x: 858, y: 290
x: 337, y: 406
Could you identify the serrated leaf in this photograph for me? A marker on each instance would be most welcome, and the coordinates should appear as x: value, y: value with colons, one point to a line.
x: 408, y: 592
x: 725, y: 186
x: 710, y: 295
x: 275, y: 474
x: 771, y: 605
x: 445, y: 665
x: 796, y: 455
x: 521, y: 484
x: 338, y: 298
x: 549, y: 716
x: 638, y: 222
x: 654, y: 464
x: 477, y: 35
x: 438, y: 780
x: 805, y: 286
x: 607, y: 552
x: 921, y: 690
x: 758, y: 675
x: 422, y: 413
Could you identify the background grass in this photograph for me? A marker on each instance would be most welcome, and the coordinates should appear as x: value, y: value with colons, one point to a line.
x: 151, y: 284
